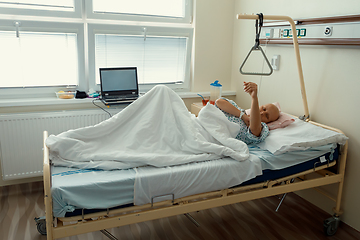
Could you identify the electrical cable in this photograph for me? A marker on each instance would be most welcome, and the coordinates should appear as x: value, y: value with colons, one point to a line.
x: 93, y: 101
x: 262, y: 68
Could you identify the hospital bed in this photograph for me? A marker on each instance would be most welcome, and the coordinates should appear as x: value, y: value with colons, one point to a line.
x: 325, y: 164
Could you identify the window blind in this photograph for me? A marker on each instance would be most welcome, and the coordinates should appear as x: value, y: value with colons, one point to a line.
x: 158, y: 59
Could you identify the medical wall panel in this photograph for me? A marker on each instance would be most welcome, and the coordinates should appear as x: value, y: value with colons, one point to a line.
x: 336, y: 30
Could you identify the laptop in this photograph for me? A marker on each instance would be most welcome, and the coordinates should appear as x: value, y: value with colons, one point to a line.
x: 119, y: 85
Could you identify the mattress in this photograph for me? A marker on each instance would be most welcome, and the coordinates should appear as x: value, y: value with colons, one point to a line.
x: 90, y: 189
x: 74, y: 189
x: 271, y: 174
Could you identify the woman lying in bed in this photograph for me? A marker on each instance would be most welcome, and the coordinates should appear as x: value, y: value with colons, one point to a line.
x: 253, y: 128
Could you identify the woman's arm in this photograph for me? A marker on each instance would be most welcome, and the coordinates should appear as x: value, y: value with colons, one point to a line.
x: 227, y: 107
x: 231, y: 109
x: 255, y: 119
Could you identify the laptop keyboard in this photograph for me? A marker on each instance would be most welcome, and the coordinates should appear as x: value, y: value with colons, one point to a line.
x: 120, y: 98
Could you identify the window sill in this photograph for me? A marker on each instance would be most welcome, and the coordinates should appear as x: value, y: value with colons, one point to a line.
x: 41, y: 102
x: 54, y: 101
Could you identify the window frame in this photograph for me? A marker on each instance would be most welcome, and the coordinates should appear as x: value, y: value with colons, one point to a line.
x: 141, y: 18
x: 40, y: 26
x: 94, y: 29
x: 86, y: 26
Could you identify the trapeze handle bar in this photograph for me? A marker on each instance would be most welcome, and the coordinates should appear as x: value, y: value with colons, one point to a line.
x: 296, y: 48
x: 258, y: 48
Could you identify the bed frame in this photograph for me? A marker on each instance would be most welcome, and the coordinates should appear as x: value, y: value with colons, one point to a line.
x: 325, y: 175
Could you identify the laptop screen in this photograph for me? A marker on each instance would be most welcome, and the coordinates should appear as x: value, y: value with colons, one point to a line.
x: 118, y: 81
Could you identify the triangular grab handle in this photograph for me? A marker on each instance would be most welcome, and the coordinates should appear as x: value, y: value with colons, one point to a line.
x: 255, y: 48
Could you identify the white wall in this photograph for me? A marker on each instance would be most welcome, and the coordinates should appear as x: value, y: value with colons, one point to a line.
x: 213, y: 43
x: 332, y: 80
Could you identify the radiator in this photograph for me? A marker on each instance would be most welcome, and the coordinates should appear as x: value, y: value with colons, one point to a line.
x: 21, y: 138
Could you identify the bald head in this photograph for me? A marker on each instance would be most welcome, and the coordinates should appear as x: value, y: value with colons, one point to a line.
x: 269, y: 113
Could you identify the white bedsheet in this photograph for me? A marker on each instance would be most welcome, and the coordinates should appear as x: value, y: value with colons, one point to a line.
x: 182, y: 181
x: 156, y: 129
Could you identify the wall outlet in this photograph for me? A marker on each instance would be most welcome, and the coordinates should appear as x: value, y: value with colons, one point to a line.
x: 275, y: 62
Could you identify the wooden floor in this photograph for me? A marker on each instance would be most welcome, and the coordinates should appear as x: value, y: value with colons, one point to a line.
x: 297, y: 219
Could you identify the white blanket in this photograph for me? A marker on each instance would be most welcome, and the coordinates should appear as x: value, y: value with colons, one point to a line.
x: 156, y: 129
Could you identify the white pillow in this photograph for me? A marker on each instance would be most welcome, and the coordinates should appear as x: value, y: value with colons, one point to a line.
x: 284, y: 120
x: 300, y: 135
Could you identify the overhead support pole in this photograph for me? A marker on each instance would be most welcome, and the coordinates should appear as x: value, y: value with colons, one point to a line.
x: 296, y: 48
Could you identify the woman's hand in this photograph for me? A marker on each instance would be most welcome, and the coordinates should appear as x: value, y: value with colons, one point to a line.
x: 251, y: 89
x: 255, y: 118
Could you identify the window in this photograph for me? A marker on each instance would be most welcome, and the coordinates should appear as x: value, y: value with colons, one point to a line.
x: 59, y: 5
x: 64, y: 45
x: 161, y: 8
x: 162, y: 55
x: 159, y: 59
x: 40, y: 58
x: 63, y: 8
x: 142, y: 10
x: 48, y: 59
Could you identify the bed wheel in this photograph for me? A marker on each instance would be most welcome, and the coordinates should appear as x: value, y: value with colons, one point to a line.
x: 331, y: 225
x: 41, y: 225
